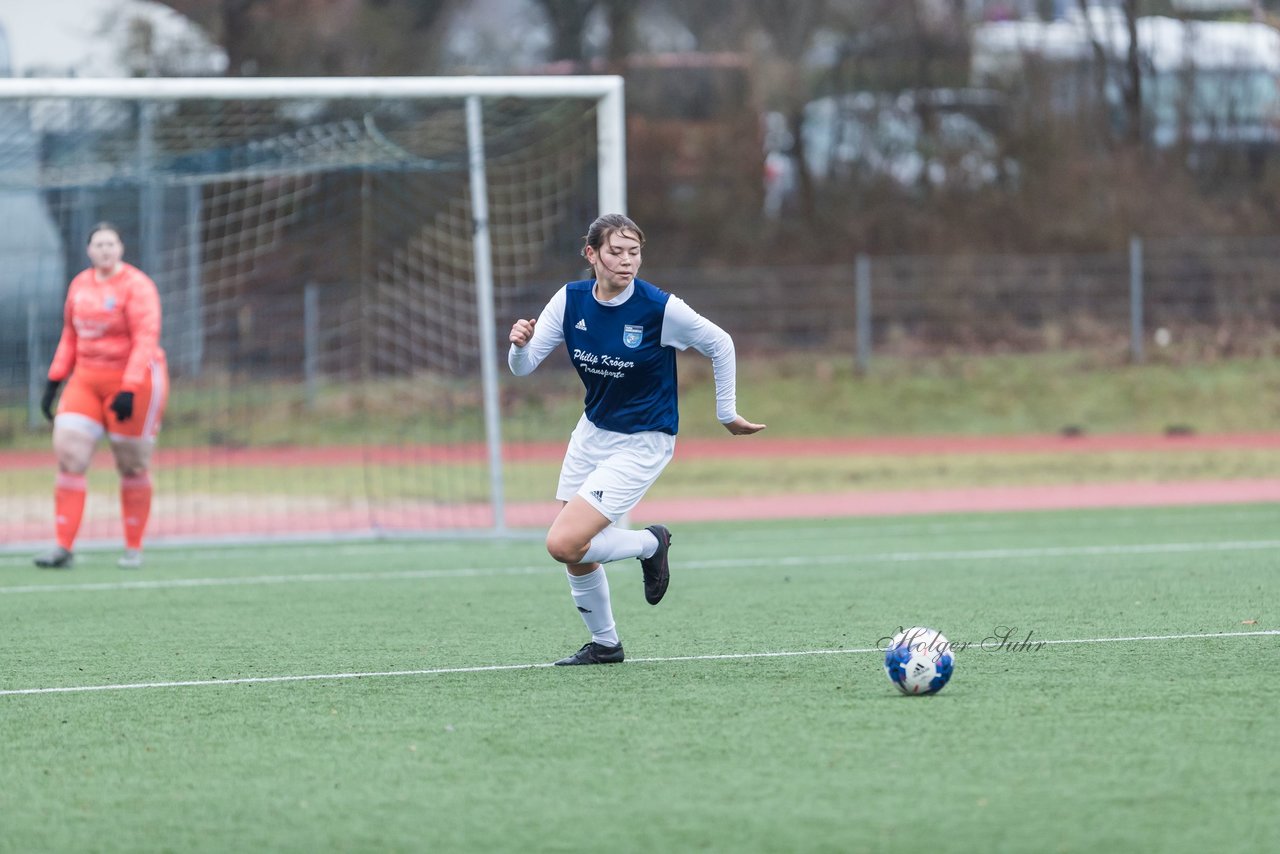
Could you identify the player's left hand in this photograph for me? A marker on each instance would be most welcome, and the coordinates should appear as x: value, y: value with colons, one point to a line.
x: 740, y: 426
x: 122, y: 406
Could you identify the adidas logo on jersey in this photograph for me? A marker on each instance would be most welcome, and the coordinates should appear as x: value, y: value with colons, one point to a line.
x: 581, y: 326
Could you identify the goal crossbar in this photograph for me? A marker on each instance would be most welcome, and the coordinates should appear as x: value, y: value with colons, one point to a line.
x: 142, y: 88
x: 607, y: 89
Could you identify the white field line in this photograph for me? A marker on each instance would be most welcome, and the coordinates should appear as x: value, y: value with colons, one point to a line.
x: 304, y: 578
x: 799, y: 560
x: 439, y: 671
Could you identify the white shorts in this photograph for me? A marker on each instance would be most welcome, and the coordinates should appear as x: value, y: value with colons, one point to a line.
x: 612, y: 471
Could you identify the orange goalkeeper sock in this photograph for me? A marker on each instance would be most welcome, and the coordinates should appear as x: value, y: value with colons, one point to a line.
x: 135, y: 508
x: 68, y: 507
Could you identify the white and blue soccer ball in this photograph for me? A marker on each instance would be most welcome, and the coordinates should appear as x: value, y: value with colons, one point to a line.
x: 919, y: 660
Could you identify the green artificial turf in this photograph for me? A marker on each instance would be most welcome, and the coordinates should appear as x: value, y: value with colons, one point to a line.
x: 795, y: 742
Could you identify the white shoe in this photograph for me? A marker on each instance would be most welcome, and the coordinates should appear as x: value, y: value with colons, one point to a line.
x: 59, y: 558
x: 131, y: 559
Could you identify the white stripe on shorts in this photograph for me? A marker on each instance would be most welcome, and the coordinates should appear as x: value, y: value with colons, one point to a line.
x: 159, y: 394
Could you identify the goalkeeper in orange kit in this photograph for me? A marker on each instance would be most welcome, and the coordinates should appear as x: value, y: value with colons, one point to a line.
x: 117, y: 383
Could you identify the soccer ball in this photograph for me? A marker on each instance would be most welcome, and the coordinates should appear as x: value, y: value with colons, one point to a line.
x: 919, y: 660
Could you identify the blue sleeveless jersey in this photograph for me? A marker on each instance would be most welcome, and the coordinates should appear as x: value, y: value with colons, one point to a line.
x: 617, y: 350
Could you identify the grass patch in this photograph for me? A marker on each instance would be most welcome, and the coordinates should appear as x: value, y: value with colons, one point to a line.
x: 1075, y: 748
x: 797, y: 395
x: 992, y: 395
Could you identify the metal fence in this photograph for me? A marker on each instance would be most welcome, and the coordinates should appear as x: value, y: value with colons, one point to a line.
x: 1220, y: 294
x: 1210, y: 297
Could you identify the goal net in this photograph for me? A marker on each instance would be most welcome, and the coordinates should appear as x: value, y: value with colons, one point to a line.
x: 338, y: 263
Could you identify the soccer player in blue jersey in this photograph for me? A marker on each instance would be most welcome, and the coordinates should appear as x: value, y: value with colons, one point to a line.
x: 622, y: 334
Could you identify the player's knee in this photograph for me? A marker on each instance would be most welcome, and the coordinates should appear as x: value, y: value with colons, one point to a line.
x: 72, y: 457
x: 565, y: 549
x: 131, y: 458
x: 130, y: 469
x: 71, y: 464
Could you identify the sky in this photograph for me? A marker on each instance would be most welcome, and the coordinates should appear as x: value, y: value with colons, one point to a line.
x: 87, y: 38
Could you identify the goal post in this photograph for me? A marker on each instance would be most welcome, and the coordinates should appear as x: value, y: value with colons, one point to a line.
x: 334, y: 256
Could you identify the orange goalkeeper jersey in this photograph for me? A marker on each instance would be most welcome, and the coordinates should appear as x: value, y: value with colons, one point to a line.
x: 112, y: 324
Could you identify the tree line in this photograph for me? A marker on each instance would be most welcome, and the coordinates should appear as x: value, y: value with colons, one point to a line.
x: 1026, y: 177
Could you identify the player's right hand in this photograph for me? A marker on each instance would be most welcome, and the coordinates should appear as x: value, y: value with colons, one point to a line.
x: 46, y: 402
x: 522, y: 332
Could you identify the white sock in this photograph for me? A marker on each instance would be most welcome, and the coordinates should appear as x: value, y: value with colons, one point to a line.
x: 650, y: 544
x: 615, y: 543
x: 591, y: 595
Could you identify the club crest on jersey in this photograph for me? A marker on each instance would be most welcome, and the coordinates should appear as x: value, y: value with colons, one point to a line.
x: 631, y: 335
x: 110, y: 302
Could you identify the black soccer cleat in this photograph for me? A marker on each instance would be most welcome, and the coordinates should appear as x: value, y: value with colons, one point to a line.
x: 594, y: 653
x: 657, y: 572
x: 59, y: 558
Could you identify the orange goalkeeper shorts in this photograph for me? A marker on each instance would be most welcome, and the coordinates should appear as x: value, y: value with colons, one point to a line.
x: 85, y: 404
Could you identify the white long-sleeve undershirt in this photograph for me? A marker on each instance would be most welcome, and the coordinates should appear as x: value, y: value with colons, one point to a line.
x: 682, y: 328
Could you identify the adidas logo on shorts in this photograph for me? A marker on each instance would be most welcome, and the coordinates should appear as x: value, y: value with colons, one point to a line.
x: 598, y: 494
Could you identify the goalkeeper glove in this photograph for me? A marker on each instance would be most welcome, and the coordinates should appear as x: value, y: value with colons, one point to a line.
x: 46, y: 402
x: 122, y: 406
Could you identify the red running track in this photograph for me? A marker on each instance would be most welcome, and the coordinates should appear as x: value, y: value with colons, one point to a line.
x: 264, y: 523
